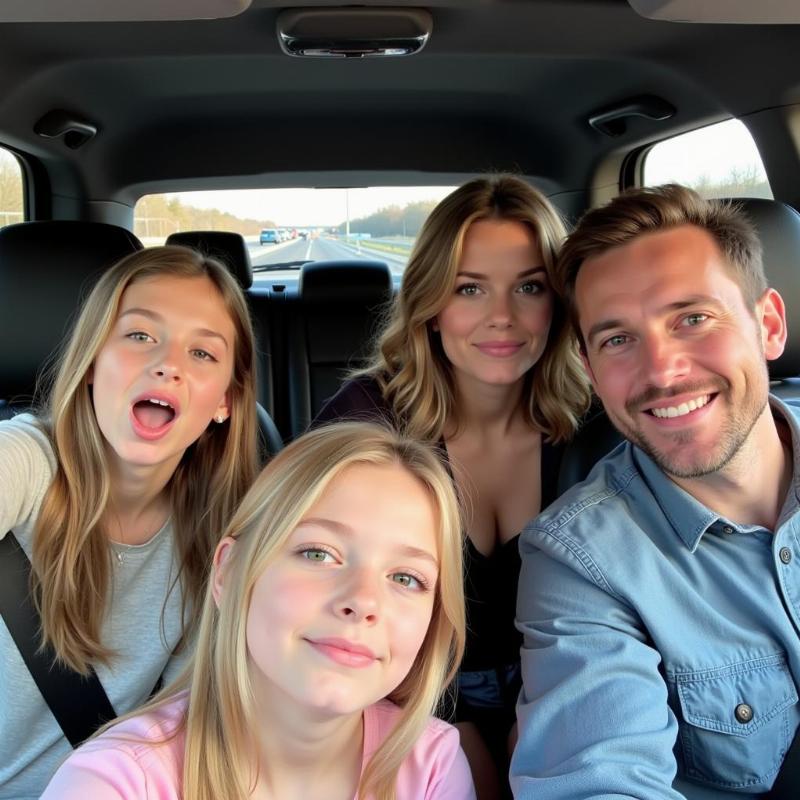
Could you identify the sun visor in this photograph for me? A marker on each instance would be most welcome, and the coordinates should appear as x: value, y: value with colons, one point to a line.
x: 118, y: 10
x: 732, y: 12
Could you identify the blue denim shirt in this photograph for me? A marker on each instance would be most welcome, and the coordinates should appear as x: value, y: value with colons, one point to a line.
x: 660, y: 638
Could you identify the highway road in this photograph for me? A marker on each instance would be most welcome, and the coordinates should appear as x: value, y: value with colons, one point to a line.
x: 320, y: 249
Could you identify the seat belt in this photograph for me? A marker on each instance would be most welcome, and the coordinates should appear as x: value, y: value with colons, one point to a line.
x: 78, y: 702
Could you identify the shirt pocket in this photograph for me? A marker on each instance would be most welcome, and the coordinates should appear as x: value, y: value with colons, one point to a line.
x: 738, y: 721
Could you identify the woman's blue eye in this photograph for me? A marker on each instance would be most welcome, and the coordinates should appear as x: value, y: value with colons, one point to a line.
x: 531, y: 287
x: 204, y: 355
x: 140, y: 336
x: 468, y: 289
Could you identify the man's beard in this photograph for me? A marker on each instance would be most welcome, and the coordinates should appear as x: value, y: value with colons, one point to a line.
x: 736, y: 428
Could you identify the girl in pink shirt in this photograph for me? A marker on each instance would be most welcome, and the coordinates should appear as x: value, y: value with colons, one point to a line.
x: 333, y: 620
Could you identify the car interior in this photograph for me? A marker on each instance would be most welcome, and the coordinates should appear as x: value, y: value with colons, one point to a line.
x: 102, y: 104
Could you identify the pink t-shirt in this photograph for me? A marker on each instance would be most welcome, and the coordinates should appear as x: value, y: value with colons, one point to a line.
x: 136, y: 768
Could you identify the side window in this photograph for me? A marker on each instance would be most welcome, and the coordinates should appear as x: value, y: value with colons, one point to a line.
x: 12, y: 207
x: 716, y: 161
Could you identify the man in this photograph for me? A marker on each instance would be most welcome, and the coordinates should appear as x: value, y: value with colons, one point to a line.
x: 660, y: 599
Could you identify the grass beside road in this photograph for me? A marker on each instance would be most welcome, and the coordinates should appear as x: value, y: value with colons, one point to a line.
x: 382, y: 246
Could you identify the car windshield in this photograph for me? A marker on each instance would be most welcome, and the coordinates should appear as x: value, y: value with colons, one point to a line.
x: 286, y: 228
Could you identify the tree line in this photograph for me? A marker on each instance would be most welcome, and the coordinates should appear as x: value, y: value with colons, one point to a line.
x: 392, y: 221
x: 159, y: 216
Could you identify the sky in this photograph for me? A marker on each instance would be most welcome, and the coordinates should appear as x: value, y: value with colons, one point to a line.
x: 310, y: 207
x: 711, y: 151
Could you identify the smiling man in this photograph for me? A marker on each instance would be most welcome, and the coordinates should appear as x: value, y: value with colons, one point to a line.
x: 660, y: 599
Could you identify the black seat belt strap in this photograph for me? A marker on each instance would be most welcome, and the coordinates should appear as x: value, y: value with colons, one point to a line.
x: 78, y: 702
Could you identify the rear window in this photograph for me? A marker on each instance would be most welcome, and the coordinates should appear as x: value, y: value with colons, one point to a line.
x: 12, y: 199
x: 285, y: 228
x: 719, y: 160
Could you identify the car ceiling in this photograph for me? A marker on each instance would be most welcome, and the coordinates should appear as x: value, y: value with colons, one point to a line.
x: 501, y: 85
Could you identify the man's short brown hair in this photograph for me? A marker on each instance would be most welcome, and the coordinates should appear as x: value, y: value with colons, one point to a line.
x: 639, y: 211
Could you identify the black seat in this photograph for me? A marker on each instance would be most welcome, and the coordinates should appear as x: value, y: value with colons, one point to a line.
x: 231, y: 250
x: 332, y: 332
x: 778, y: 227
x: 47, y: 266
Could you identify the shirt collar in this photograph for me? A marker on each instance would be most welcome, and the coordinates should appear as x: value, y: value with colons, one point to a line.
x: 689, y: 517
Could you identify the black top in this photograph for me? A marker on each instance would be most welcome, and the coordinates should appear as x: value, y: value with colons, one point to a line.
x: 490, y: 582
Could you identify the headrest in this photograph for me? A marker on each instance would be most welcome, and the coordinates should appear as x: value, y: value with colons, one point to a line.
x: 229, y: 248
x: 778, y: 228
x: 46, y: 270
x: 346, y: 283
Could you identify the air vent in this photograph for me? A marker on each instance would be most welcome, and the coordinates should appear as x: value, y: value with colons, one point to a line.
x: 353, y: 32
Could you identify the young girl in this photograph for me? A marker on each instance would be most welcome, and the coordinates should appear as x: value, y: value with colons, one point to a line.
x: 478, y: 357
x: 332, y: 622
x: 118, y: 489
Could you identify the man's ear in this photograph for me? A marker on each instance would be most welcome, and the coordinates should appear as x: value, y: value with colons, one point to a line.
x: 771, y: 319
x: 219, y: 567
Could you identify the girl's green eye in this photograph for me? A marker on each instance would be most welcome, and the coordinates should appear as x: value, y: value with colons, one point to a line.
x: 409, y: 581
x: 315, y: 554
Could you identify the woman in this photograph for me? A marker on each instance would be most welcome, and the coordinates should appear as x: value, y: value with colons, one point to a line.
x: 117, y: 491
x: 477, y: 356
x: 333, y: 621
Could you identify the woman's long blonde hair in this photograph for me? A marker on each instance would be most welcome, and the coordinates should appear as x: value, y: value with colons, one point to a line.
x: 71, y: 554
x: 220, y: 721
x: 415, y: 375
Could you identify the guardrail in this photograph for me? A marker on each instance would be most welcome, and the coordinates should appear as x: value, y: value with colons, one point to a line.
x: 381, y: 245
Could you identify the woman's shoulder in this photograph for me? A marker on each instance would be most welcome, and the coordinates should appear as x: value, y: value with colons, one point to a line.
x: 359, y: 398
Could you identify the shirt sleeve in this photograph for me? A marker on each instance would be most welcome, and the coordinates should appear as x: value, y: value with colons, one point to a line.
x: 593, y: 715
x: 26, y: 471
x: 107, y: 773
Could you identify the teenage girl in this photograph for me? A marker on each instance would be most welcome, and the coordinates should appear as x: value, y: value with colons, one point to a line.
x: 478, y: 357
x: 118, y: 488
x: 332, y: 622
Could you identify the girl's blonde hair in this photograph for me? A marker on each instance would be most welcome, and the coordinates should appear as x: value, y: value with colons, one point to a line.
x: 220, y: 720
x: 71, y: 554
x: 413, y: 372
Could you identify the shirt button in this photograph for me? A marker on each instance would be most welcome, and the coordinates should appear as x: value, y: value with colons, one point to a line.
x: 727, y: 529
x: 743, y: 713
x: 785, y: 555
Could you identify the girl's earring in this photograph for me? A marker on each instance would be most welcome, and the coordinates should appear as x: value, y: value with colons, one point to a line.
x: 219, y: 419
